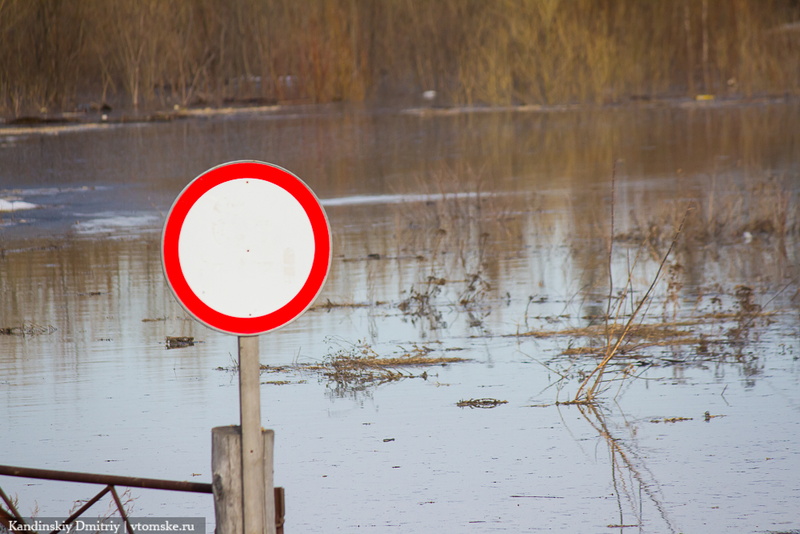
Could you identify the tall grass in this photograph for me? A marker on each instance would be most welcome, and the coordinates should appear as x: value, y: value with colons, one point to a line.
x: 55, y: 54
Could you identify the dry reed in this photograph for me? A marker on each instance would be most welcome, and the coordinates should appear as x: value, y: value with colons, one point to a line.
x: 58, y: 55
x: 358, y: 366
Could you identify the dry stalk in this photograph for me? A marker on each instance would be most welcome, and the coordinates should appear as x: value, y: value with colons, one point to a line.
x: 586, y: 392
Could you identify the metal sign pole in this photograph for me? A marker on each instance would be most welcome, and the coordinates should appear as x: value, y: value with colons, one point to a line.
x: 253, y: 474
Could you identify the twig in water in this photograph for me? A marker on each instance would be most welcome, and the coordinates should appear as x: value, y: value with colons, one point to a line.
x: 585, y: 395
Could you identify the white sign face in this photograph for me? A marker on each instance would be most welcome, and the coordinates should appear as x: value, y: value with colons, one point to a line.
x: 246, y: 247
x: 238, y: 239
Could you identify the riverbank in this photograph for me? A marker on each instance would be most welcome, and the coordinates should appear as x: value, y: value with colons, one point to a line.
x: 99, y: 118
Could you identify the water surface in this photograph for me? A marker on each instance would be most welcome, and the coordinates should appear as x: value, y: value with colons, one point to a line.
x: 454, y: 234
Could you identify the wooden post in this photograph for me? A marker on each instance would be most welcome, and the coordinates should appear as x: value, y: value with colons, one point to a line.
x: 242, y: 458
x: 254, y: 490
x: 226, y: 469
x: 226, y: 478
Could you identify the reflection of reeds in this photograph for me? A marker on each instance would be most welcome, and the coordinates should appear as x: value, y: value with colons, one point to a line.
x: 460, y: 233
x: 763, y: 207
x: 625, y: 472
x: 421, y: 303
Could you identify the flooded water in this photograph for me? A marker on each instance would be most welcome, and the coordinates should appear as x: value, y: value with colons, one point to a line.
x: 482, y: 236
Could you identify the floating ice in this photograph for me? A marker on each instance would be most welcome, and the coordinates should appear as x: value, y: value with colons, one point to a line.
x: 396, y: 199
x: 117, y: 223
x: 15, y: 205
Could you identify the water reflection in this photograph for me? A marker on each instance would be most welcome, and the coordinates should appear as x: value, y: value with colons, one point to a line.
x: 635, y: 487
x: 488, y: 233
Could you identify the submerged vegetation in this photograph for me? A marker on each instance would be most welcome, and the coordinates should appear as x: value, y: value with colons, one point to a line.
x: 480, y: 403
x: 27, y: 329
x: 85, y: 54
x: 646, y: 309
x: 355, y: 367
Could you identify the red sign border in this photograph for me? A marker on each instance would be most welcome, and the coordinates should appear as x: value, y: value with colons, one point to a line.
x: 173, y: 226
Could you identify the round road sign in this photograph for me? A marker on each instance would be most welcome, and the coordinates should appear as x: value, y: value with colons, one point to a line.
x: 246, y: 247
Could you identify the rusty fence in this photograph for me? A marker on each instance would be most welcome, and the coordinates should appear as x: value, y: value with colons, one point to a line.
x: 9, y: 514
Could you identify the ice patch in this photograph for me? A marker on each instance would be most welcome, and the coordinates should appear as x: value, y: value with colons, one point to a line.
x: 15, y: 205
x: 49, y: 191
x: 119, y: 224
x: 396, y: 199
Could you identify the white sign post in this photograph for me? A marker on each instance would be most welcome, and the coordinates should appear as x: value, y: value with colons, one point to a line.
x: 246, y: 249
